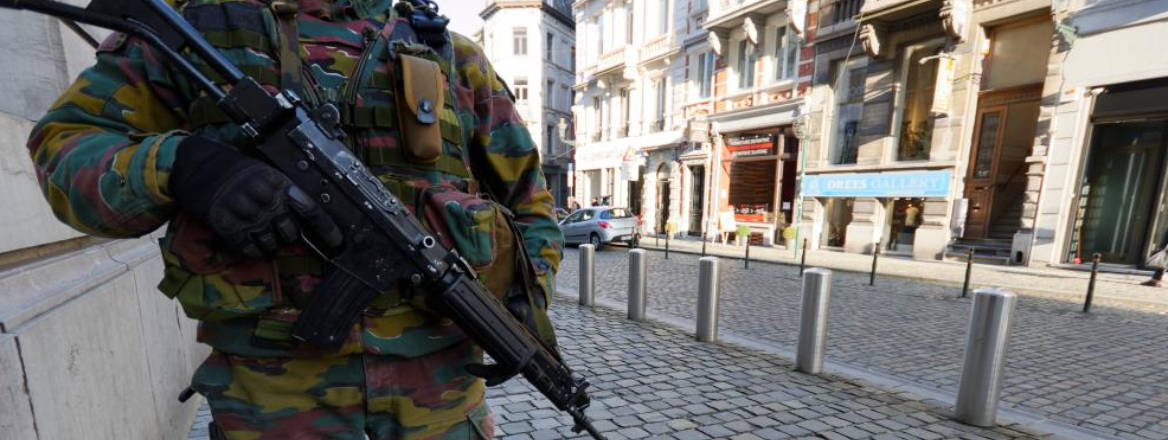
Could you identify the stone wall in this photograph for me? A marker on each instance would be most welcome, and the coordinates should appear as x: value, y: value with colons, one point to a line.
x: 88, y: 347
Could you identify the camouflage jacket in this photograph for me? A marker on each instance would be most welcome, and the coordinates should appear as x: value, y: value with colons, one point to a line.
x: 104, y: 151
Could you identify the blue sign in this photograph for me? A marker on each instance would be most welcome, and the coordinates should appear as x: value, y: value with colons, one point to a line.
x: 887, y: 184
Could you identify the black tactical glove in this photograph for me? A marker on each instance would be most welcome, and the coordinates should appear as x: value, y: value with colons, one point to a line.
x: 250, y: 205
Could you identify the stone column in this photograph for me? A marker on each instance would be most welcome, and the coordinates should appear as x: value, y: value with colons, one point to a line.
x: 866, y: 226
x: 933, y: 235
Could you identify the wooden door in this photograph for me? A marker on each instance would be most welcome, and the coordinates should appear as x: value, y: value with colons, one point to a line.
x: 980, y: 184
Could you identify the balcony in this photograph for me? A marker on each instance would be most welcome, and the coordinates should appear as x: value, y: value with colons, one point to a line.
x: 728, y: 14
x: 658, y: 47
x: 616, y: 60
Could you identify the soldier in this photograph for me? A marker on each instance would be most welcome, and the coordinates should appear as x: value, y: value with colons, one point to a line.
x: 132, y: 145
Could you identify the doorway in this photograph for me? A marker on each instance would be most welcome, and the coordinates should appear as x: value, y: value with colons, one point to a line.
x: 662, y: 204
x: 697, y: 199
x: 996, y: 183
x: 1119, y: 192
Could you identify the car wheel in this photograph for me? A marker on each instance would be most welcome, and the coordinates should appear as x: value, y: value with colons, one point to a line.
x: 595, y: 241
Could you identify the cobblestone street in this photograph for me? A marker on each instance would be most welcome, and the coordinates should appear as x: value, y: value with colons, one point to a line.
x: 1105, y: 371
x: 651, y: 381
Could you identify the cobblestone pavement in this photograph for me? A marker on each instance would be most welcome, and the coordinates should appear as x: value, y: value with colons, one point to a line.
x: 650, y: 381
x: 1106, y: 371
x: 1116, y: 286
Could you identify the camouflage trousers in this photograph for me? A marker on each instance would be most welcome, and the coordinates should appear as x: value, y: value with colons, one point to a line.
x: 351, y: 397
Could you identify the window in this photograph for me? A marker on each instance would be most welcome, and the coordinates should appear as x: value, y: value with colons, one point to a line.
x: 550, y: 93
x: 663, y: 14
x: 916, y: 126
x: 549, y: 48
x: 519, y: 41
x: 747, y: 59
x: 786, y: 56
x: 848, y: 97
x: 520, y: 89
x: 573, y: 59
x: 659, y: 110
x: 624, y: 111
x: 597, y: 118
x: 550, y: 146
x: 705, y: 74
x: 629, y: 23
x: 599, y: 35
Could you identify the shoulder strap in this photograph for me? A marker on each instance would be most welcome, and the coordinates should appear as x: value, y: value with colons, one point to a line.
x: 285, y: 12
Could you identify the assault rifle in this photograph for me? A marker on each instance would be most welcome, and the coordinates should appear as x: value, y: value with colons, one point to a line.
x: 384, y: 242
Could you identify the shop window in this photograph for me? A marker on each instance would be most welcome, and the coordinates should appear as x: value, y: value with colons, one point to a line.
x: 752, y: 190
x: 916, y: 127
x: 838, y: 214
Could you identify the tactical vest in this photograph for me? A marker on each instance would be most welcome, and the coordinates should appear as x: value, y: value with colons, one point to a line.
x: 408, y: 119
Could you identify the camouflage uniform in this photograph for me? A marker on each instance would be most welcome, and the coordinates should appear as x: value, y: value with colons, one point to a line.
x: 104, y: 152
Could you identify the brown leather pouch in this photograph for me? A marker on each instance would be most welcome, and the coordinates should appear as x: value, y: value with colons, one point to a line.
x: 420, y: 101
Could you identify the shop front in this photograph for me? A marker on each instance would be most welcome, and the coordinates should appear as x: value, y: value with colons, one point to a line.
x: 863, y: 210
x: 757, y: 181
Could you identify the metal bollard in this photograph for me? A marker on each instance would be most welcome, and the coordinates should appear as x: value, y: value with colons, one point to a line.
x: 1091, y: 284
x: 746, y: 261
x: 708, y: 286
x: 666, y: 245
x: 985, y: 354
x: 637, y: 284
x: 968, y: 272
x: 803, y: 260
x: 703, y: 244
x: 587, y: 275
x: 813, y: 321
x: 875, y: 256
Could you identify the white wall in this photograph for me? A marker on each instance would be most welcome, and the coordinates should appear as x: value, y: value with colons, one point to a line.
x: 88, y: 347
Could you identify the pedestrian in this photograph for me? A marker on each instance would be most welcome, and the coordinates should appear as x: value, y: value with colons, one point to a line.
x: 133, y: 146
x: 595, y: 201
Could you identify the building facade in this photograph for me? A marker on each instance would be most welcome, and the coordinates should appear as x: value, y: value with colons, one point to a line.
x: 763, y: 64
x: 1096, y: 176
x: 629, y: 85
x: 531, y: 43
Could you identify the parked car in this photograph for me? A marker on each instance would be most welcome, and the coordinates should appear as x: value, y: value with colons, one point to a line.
x: 599, y: 226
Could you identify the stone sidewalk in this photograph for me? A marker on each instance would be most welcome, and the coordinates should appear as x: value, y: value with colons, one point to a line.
x: 1106, y: 372
x: 652, y: 381
x: 1119, y: 288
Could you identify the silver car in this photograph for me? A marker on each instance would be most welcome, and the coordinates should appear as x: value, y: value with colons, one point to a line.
x: 600, y: 226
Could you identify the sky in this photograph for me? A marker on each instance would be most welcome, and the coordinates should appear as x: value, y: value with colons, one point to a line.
x: 464, y: 14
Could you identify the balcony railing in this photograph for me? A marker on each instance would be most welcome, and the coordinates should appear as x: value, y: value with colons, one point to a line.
x: 721, y: 8
x: 656, y: 47
x: 611, y: 59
